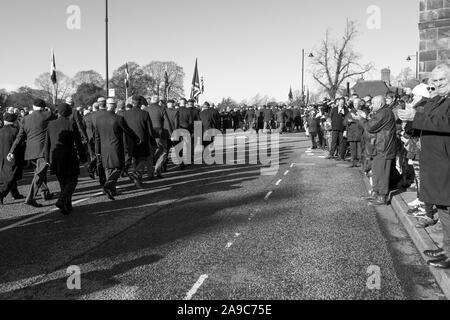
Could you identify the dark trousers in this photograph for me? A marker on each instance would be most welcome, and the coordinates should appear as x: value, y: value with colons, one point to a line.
x: 161, y: 154
x: 112, y: 175
x: 39, y: 180
x: 68, y: 185
x: 9, y: 186
x: 313, y: 139
x: 381, y: 169
x: 321, y: 138
x: 337, y: 143
x: 444, y: 216
x: 355, y: 150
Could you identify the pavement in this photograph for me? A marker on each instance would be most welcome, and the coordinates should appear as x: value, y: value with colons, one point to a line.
x: 217, y: 232
x: 425, y: 239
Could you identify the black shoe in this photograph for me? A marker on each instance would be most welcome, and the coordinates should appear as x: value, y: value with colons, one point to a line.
x: 34, y: 204
x: 18, y: 197
x: 92, y: 175
x: 63, y: 208
x: 109, y: 193
x: 440, y: 263
x: 1, y: 199
x: 435, y: 253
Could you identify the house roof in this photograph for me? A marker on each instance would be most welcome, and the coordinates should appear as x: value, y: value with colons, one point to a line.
x: 372, y: 88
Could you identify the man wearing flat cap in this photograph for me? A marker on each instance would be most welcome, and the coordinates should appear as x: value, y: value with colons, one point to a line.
x: 110, y: 130
x: 63, y: 147
x: 10, y: 172
x: 33, y: 131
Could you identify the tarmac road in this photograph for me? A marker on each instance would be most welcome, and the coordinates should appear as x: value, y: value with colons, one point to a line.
x: 217, y: 232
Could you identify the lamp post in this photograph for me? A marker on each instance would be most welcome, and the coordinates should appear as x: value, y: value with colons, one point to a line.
x: 106, y: 51
x: 303, y: 72
x: 416, y: 56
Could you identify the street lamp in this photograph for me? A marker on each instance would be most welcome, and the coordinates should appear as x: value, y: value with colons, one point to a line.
x: 416, y: 56
x: 303, y: 71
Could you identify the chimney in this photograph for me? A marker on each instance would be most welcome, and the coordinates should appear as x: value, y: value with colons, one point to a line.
x: 386, y: 76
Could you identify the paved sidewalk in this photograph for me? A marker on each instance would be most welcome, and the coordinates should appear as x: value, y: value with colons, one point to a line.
x: 424, y: 239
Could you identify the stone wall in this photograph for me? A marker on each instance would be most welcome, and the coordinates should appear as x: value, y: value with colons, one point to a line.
x: 434, y: 29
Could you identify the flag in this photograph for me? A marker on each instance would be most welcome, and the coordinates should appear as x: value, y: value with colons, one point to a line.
x: 196, y: 90
x: 203, y: 86
x: 291, y: 96
x: 166, y: 79
x: 127, y: 79
x: 53, y: 69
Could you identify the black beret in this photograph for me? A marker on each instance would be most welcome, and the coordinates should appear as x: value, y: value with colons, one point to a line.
x: 39, y: 103
x: 9, y: 117
x: 183, y: 99
x: 171, y: 101
x: 206, y: 104
x: 64, y: 109
x: 191, y: 100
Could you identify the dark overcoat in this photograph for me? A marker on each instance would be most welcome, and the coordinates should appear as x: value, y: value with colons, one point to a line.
x: 10, y: 170
x: 434, y: 123
x: 109, y: 138
x: 63, y: 147
x: 139, y: 121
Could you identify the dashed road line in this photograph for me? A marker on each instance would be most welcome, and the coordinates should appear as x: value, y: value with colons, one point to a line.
x: 229, y: 244
x: 278, y: 182
x: 196, y: 286
x: 286, y: 173
x: 268, y: 195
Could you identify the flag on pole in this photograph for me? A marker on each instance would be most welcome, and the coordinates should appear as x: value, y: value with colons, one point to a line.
x: 291, y: 96
x: 127, y: 79
x: 166, y: 85
x: 203, y: 86
x: 53, y: 69
x: 196, y: 90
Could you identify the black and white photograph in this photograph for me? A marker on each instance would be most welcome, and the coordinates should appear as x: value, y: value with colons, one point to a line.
x: 225, y: 156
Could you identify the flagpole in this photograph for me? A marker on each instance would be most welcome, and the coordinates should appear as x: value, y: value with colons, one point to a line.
x: 107, y: 53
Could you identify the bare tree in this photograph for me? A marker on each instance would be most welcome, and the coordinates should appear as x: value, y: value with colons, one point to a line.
x: 405, y: 75
x: 156, y: 70
x: 336, y: 61
x: 89, y: 76
x: 66, y: 86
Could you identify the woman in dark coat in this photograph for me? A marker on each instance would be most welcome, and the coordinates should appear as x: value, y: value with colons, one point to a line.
x: 10, y: 171
x: 354, y: 135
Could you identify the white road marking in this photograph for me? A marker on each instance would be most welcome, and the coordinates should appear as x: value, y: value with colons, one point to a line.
x: 268, y: 195
x: 278, y: 182
x: 229, y: 244
x: 304, y: 164
x: 196, y: 286
x: 237, y: 235
x: 292, y: 165
x: 286, y: 173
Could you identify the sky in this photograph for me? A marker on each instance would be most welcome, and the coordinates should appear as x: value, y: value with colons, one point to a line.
x: 244, y: 47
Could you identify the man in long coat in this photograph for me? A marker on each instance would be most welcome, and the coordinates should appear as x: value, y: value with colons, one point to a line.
x: 142, y: 155
x: 10, y: 172
x: 33, y: 130
x: 63, y: 147
x: 434, y: 123
x: 109, y: 132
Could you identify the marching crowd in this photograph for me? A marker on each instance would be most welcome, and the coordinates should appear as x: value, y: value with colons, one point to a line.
x: 400, y: 142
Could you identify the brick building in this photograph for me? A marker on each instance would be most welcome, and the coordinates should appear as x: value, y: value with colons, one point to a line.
x: 434, y: 29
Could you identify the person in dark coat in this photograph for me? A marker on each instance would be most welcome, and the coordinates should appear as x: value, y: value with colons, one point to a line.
x: 337, y: 115
x: 157, y: 116
x: 382, y: 124
x: 210, y: 120
x: 186, y: 118
x: 33, y: 131
x: 268, y: 116
x: 142, y: 155
x: 354, y: 135
x: 434, y: 124
x: 313, y: 125
x: 109, y: 145
x: 63, y: 147
x: 250, y: 118
x: 90, y: 129
x: 10, y: 172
